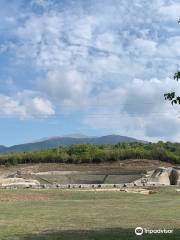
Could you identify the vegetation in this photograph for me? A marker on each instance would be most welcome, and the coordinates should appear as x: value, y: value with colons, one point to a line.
x: 80, y: 215
x: 171, y: 96
x: 87, y: 153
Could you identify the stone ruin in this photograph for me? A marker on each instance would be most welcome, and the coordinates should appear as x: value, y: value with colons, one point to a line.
x: 161, y: 176
x: 16, y: 182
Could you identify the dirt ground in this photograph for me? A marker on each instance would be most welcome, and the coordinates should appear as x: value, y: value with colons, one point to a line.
x: 126, y: 165
x: 15, y: 196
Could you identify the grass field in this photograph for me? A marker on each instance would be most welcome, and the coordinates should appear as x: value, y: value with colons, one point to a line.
x: 71, y: 215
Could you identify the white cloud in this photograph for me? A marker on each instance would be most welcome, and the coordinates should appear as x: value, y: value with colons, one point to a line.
x: 143, y: 47
x: 25, y: 105
x: 171, y: 11
x: 108, y: 42
x: 39, y: 108
x: 68, y: 87
x: 103, y: 53
x: 88, y: 42
x: 170, y: 48
x: 137, y: 109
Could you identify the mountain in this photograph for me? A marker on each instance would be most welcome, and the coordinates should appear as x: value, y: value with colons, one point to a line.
x: 54, y: 142
x: 76, y: 135
x: 2, y: 148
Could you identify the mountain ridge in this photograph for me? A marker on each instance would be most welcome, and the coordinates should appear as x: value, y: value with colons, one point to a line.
x: 53, y: 142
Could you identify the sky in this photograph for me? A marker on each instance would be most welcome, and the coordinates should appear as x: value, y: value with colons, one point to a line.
x: 95, y: 67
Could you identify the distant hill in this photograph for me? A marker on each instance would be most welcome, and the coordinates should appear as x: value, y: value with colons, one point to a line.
x: 2, y: 148
x: 54, y: 142
x: 76, y: 135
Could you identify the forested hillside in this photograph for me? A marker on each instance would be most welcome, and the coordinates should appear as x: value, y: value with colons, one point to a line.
x: 54, y: 142
x: 87, y: 153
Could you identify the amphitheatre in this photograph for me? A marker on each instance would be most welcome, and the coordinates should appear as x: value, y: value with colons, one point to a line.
x: 127, y: 174
x: 108, y: 200
x: 85, y: 192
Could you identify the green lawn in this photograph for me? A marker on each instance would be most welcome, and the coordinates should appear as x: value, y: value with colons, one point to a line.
x: 70, y: 215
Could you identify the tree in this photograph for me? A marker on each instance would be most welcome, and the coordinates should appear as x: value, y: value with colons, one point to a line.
x: 171, y: 96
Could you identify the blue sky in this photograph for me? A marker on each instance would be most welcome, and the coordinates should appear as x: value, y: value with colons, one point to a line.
x: 96, y: 67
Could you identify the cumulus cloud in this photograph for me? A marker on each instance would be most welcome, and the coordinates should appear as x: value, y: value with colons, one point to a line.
x: 24, y: 106
x: 69, y: 87
x: 137, y: 109
x: 142, y: 47
x: 114, y: 57
x: 170, y: 11
x: 90, y: 41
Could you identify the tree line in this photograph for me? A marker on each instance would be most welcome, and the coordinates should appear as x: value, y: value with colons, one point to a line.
x: 87, y: 153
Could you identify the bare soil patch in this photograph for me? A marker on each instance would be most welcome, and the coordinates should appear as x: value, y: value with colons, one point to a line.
x: 134, y: 164
x: 22, y: 197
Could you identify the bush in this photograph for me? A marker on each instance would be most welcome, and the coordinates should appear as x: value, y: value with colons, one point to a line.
x: 87, y: 153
